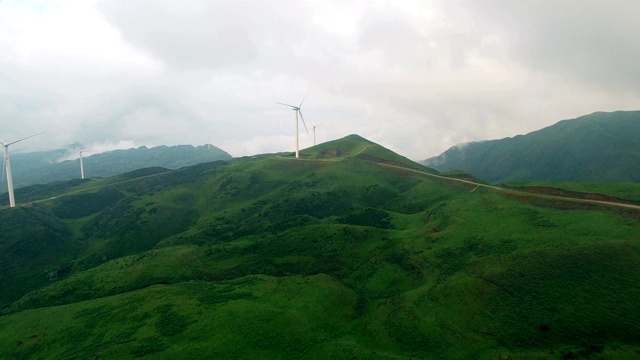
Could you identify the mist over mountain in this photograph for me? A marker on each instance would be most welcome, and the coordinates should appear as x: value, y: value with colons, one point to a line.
x: 48, y: 166
x: 600, y: 147
x: 351, y: 251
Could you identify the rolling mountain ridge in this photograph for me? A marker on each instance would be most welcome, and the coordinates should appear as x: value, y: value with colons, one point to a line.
x: 45, y: 167
x: 601, y: 147
x: 351, y: 251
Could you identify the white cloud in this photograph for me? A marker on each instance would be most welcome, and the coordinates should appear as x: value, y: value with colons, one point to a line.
x: 414, y: 76
x: 66, y: 38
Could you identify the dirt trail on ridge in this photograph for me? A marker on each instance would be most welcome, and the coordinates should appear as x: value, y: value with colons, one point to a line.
x: 518, y: 192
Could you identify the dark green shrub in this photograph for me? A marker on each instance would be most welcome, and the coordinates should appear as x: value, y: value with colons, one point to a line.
x: 148, y: 346
x: 368, y: 217
x: 171, y: 323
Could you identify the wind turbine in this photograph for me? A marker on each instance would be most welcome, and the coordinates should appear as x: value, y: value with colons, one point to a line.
x: 298, y: 111
x: 314, y: 133
x: 81, y: 165
x: 7, y: 167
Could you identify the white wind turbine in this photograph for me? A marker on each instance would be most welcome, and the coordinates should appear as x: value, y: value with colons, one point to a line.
x: 81, y: 165
x: 7, y: 167
x: 298, y: 111
x: 314, y: 133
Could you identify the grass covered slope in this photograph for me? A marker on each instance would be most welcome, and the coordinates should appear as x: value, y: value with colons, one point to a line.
x: 329, y: 256
x: 601, y: 147
x: 361, y: 148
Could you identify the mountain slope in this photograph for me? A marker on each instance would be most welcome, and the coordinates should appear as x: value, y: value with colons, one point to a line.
x: 601, y: 147
x: 361, y: 148
x: 45, y: 167
x: 334, y: 255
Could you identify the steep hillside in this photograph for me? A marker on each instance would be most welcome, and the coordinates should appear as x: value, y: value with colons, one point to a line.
x: 351, y: 251
x: 601, y: 147
x: 46, y: 167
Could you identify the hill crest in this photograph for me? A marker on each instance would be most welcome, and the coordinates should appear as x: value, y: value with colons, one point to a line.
x: 356, y: 146
x: 599, y: 147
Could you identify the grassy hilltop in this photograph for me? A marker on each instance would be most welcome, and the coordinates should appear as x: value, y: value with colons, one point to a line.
x: 334, y: 255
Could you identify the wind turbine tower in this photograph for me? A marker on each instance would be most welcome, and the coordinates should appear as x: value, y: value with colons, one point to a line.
x: 298, y: 110
x: 314, y: 133
x: 7, y: 167
x: 81, y: 165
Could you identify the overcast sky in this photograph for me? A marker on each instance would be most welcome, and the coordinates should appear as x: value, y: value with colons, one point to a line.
x: 415, y: 76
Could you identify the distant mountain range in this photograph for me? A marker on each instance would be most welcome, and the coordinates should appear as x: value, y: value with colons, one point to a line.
x: 600, y: 147
x: 46, y: 166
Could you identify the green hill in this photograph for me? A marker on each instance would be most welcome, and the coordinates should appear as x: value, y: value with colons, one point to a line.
x: 601, y: 147
x: 351, y: 251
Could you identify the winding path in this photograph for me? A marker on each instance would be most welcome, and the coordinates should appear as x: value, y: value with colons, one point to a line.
x: 564, y: 198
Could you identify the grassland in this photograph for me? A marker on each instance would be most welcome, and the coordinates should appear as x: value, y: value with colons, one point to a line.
x: 330, y: 256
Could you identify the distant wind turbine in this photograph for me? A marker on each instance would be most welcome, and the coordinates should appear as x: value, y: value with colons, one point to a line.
x: 314, y: 133
x: 81, y: 165
x: 298, y: 111
x: 7, y: 167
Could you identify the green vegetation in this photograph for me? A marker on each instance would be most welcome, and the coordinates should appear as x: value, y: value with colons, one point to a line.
x: 329, y: 256
x: 601, y: 147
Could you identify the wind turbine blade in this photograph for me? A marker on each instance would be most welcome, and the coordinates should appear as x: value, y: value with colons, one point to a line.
x: 295, y: 107
x: 28, y: 137
x: 305, y: 125
x: 308, y: 91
